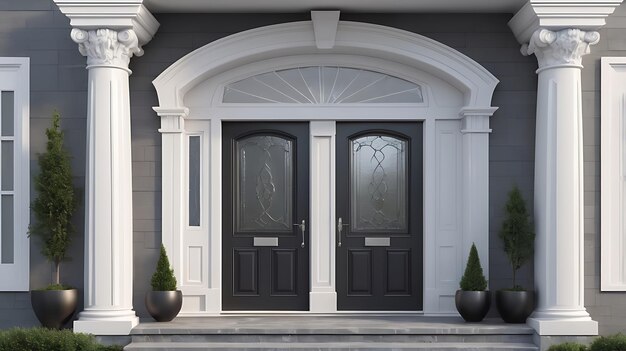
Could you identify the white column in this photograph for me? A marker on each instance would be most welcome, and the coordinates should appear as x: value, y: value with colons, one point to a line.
x: 476, y: 182
x: 559, y: 183
x: 108, y: 202
x: 323, y: 297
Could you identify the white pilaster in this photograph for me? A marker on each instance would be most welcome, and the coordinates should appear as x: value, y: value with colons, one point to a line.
x: 476, y: 131
x: 108, y: 203
x: 173, y: 171
x: 323, y: 296
x: 559, y: 259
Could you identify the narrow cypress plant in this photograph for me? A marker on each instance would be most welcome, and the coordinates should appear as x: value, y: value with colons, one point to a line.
x: 56, y: 201
x: 473, y: 279
x: 163, y: 278
x: 517, y: 233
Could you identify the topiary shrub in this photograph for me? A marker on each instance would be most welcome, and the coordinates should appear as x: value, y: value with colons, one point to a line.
x: 615, y: 342
x: 517, y: 233
x: 163, y: 278
x: 55, y: 203
x: 569, y: 346
x: 42, y: 339
x: 473, y: 279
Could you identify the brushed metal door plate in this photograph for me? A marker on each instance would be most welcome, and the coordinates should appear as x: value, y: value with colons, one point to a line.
x: 264, y: 241
x: 377, y: 241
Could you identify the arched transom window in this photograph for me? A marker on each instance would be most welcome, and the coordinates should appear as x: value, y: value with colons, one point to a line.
x: 323, y: 85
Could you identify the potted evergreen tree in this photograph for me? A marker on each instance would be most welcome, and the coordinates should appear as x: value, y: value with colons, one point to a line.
x: 164, y: 301
x: 53, y: 209
x: 516, y: 304
x: 473, y: 300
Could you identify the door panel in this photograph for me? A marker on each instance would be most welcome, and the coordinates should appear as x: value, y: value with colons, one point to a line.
x: 379, y: 201
x: 265, y: 199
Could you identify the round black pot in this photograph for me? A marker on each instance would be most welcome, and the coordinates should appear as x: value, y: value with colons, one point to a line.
x: 472, y: 305
x: 514, y: 306
x: 54, y: 308
x: 164, y: 306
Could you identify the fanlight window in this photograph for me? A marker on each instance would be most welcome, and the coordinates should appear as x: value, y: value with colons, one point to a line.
x: 323, y: 85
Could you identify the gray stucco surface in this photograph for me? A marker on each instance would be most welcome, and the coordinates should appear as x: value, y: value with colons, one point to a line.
x: 36, y: 28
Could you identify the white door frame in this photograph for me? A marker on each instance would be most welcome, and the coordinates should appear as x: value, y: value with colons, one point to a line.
x: 456, y: 126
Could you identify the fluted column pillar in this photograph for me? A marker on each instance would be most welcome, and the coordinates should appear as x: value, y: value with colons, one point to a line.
x: 558, y: 206
x: 108, y: 187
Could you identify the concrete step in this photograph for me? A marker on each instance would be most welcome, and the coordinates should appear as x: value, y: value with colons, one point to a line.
x: 352, y: 346
x: 334, y: 338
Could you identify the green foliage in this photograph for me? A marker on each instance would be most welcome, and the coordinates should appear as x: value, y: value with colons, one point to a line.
x: 56, y: 287
x: 568, y: 346
x: 41, y: 339
x: 55, y: 203
x: 163, y: 278
x: 473, y: 279
x: 517, y: 232
x: 615, y: 342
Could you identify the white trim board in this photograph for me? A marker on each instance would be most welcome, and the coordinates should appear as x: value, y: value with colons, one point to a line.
x: 613, y: 174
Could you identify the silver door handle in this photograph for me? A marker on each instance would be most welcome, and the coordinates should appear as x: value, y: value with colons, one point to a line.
x: 340, y: 225
x: 302, y: 227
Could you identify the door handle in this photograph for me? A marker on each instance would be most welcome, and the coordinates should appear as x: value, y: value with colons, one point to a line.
x: 340, y: 226
x: 302, y: 227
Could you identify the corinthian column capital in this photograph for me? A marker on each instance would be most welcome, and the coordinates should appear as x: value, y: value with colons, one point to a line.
x: 107, y: 47
x: 560, y: 48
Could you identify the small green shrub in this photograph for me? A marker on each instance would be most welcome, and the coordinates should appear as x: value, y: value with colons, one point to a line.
x: 568, y: 346
x: 56, y: 202
x: 473, y: 279
x: 615, y: 342
x: 41, y: 339
x: 163, y: 278
x: 517, y: 233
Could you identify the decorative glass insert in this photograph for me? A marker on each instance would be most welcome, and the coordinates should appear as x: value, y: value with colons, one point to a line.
x: 378, y: 184
x: 264, y: 193
x: 323, y: 85
x: 194, y: 180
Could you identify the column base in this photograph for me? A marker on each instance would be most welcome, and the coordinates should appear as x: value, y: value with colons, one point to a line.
x: 563, y: 323
x: 323, y: 302
x: 106, y: 322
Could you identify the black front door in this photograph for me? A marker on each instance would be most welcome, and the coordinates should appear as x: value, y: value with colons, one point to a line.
x: 265, y: 216
x: 379, y: 216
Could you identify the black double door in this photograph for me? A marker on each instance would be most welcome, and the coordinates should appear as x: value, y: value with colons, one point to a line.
x: 265, y: 243
x: 265, y: 210
x: 379, y: 216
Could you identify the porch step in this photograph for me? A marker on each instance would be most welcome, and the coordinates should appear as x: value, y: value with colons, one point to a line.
x: 330, y: 333
x: 185, y: 346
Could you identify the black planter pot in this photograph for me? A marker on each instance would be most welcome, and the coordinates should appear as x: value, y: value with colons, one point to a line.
x: 514, y: 306
x: 54, y: 308
x: 164, y: 306
x: 472, y: 305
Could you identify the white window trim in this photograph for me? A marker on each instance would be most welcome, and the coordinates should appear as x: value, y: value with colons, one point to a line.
x: 613, y: 174
x: 14, y: 75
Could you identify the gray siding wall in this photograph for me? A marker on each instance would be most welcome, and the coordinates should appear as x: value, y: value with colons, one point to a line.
x: 36, y: 29
x: 608, y: 308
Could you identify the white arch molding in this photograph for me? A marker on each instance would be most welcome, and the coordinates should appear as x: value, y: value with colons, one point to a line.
x: 456, y: 109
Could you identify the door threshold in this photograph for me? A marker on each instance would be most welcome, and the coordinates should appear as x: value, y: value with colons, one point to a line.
x: 308, y: 313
